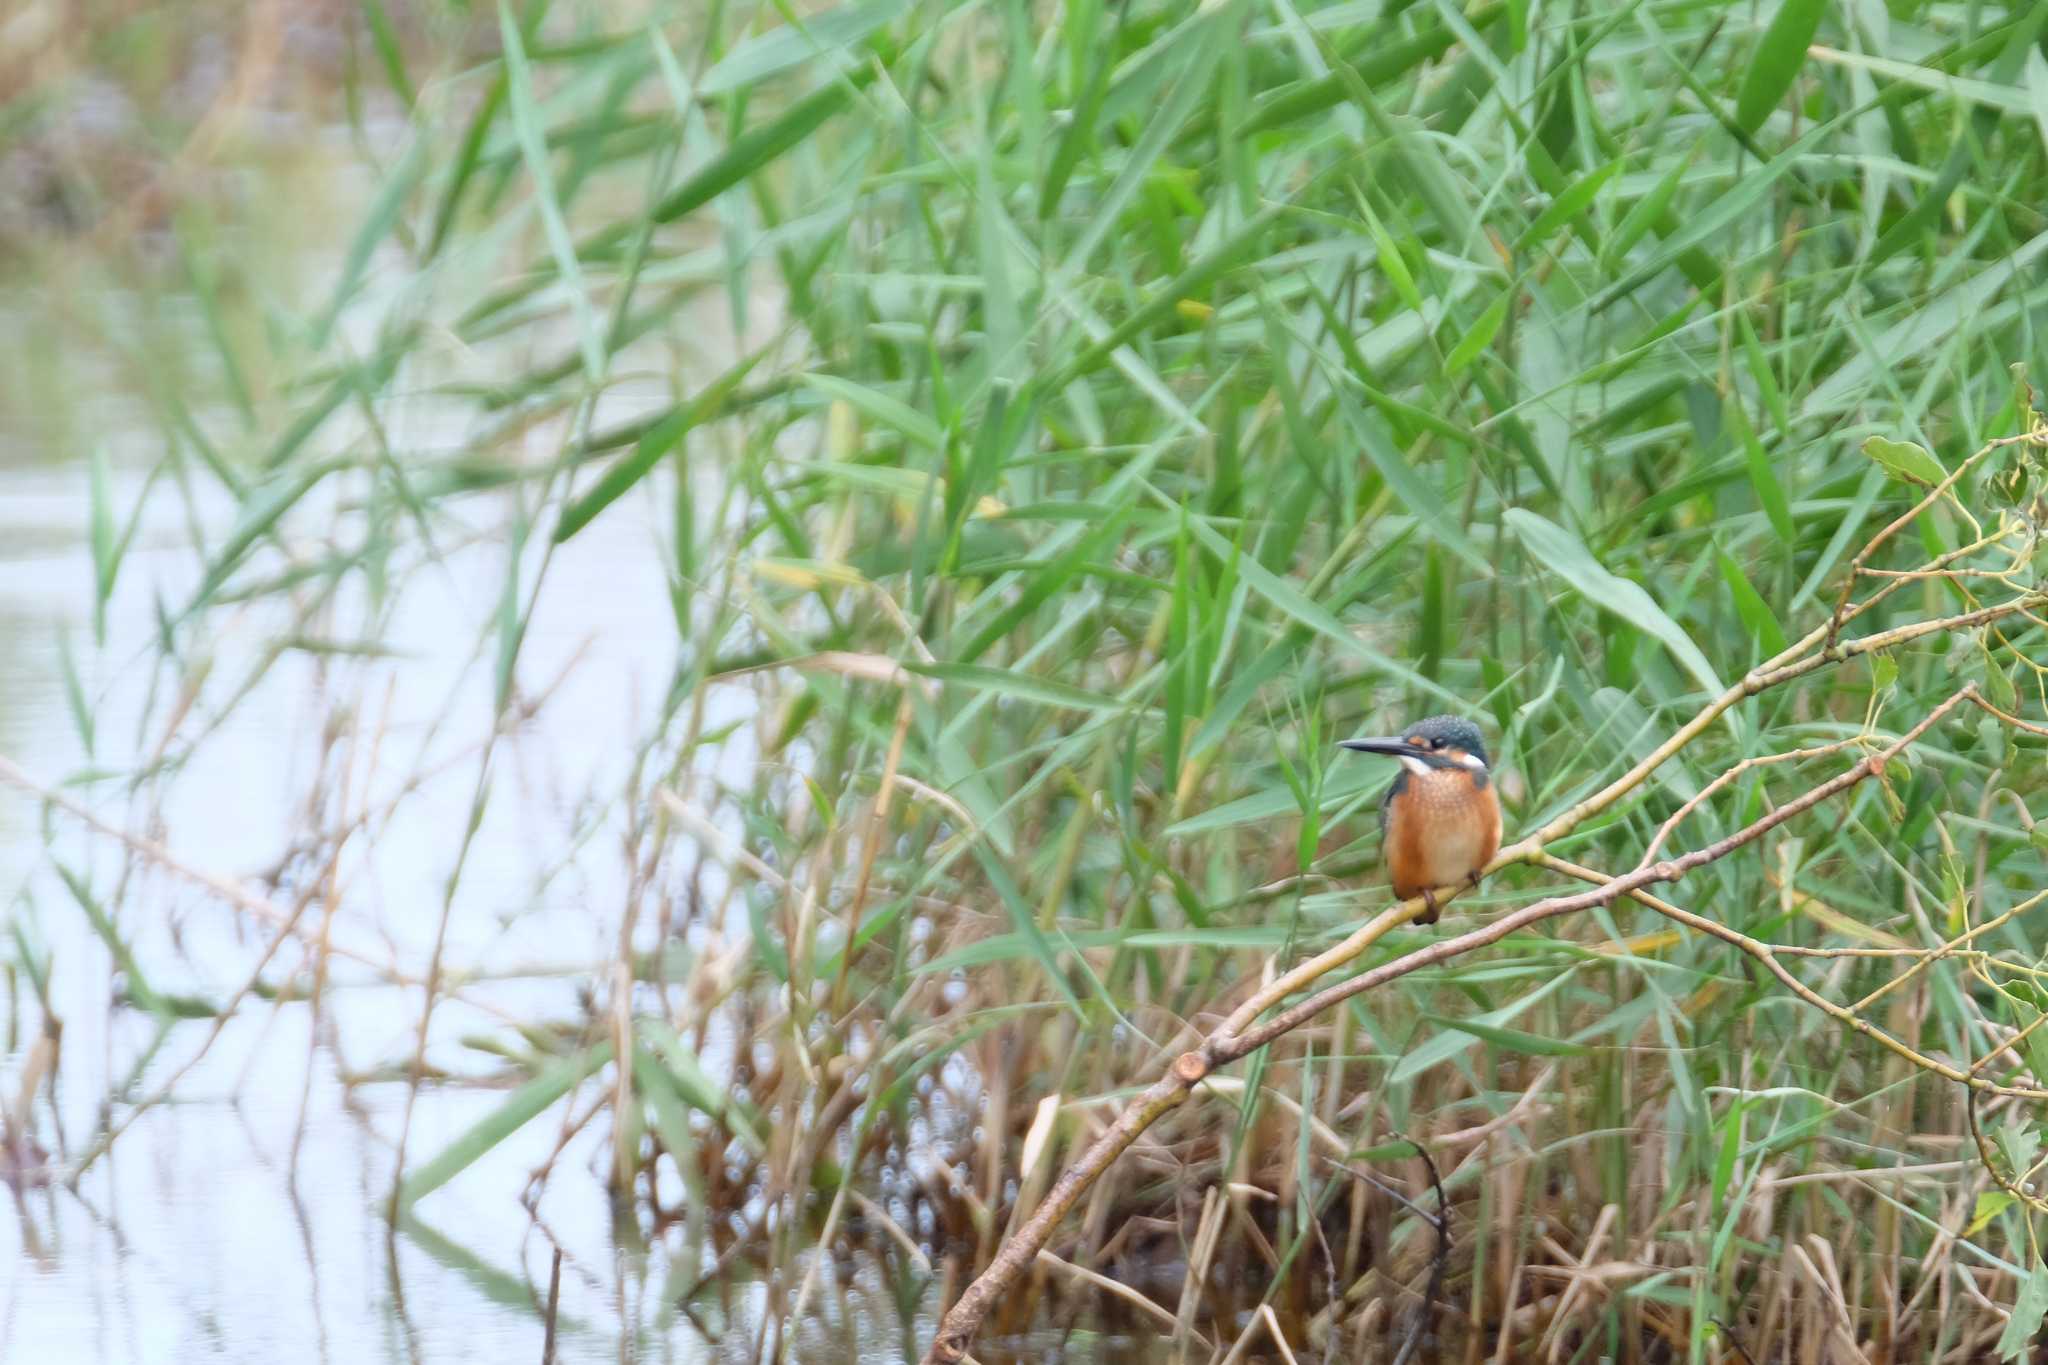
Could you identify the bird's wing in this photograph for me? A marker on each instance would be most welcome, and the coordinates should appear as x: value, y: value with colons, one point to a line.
x: 1394, y: 789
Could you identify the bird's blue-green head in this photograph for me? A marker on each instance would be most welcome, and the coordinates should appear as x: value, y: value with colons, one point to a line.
x: 1436, y: 742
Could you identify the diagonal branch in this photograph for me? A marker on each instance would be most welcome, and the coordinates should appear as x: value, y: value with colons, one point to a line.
x: 1238, y: 1035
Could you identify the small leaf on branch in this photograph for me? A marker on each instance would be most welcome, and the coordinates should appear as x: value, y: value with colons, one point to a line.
x: 2027, y: 1313
x: 1905, y: 460
x: 2037, y: 1054
x: 2010, y: 483
x: 1990, y: 1204
x: 2019, y: 1142
x: 1954, y: 893
x: 1998, y: 684
x: 1991, y: 737
x: 1893, y: 805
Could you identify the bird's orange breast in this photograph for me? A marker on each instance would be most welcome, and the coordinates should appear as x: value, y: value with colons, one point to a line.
x: 1442, y: 828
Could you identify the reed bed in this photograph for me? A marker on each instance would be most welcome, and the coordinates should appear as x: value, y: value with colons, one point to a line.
x: 1044, y: 431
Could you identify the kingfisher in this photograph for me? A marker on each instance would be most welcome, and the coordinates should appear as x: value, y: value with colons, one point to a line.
x: 1440, y: 819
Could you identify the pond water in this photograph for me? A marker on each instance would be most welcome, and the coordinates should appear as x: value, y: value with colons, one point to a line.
x: 243, y: 1217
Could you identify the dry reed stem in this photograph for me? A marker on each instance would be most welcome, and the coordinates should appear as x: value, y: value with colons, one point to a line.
x: 1115, y: 1288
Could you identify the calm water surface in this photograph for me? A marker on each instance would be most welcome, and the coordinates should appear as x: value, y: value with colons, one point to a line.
x: 186, y: 1243
x: 241, y: 1218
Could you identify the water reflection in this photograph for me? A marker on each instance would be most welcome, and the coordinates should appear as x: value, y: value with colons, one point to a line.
x: 242, y: 1216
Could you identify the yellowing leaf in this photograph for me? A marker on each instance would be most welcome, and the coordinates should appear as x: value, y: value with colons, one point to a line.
x: 807, y: 574
x: 849, y: 664
x: 842, y: 430
x: 1990, y: 1203
x: 1640, y: 944
x: 1842, y: 924
x: 1038, y: 1141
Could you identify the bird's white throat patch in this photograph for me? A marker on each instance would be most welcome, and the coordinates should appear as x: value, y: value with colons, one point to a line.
x: 1422, y: 768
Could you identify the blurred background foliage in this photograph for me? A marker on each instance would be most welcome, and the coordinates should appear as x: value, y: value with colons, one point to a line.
x: 1061, y: 423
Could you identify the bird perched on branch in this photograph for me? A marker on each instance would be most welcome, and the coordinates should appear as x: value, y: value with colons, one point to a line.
x: 1440, y: 820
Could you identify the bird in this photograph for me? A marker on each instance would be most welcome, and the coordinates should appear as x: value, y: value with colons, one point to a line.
x: 1440, y: 818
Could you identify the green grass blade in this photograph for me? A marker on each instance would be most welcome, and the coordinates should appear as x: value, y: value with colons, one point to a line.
x: 756, y: 148
x: 526, y: 127
x: 520, y: 1108
x: 1566, y: 556
x: 1779, y: 55
x: 1017, y: 686
x: 663, y: 436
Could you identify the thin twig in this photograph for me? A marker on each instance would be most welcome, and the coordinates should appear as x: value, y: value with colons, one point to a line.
x: 244, y: 900
x: 547, y: 1348
x: 1439, y: 1260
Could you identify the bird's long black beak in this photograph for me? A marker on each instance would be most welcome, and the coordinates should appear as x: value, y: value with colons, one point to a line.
x: 1392, y: 748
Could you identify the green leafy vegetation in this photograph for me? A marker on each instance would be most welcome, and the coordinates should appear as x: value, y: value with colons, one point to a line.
x: 1059, y: 426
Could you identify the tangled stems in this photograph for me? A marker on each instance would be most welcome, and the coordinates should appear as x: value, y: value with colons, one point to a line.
x: 1243, y: 1032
